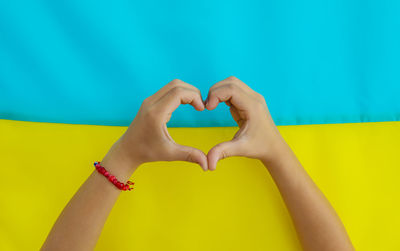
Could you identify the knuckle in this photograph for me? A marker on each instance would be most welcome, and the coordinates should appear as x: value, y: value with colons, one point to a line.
x: 189, y: 155
x: 211, y: 92
x: 146, y: 101
x: 260, y: 97
x: 259, y: 106
x: 232, y: 78
x: 151, y: 114
x: 224, y: 154
x: 176, y: 81
x: 177, y: 90
x: 230, y: 86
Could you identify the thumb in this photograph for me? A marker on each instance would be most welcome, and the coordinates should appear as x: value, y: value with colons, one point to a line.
x: 186, y: 153
x: 221, y: 151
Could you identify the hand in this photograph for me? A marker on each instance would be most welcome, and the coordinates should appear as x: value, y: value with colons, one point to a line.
x: 257, y: 136
x: 147, y: 138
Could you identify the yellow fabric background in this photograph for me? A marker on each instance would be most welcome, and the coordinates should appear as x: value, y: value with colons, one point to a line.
x: 176, y: 206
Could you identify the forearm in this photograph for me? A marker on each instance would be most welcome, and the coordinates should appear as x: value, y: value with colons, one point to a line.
x: 146, y: 140
x: 80, y: 224
x: 317, y: 224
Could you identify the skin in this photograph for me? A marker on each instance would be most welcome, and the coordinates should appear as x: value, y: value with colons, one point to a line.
x: 317, y: 224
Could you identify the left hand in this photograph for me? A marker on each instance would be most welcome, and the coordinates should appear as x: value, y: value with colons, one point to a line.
x: 257, y: 137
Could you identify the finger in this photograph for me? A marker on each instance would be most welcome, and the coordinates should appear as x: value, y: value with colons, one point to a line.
x: 177, y: 96
x: 234, y: 112
x: 232, y: 80
x: 229, y: 93
x: 221, y: 151
x: 236, y: 116
x: 186, y: 153
x: 173, y: 84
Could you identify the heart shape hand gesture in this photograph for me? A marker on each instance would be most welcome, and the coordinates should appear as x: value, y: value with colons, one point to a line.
x: 147, y: 138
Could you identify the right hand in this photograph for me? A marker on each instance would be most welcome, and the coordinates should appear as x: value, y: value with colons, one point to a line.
x: 147, y: 138
x: 257, y: 136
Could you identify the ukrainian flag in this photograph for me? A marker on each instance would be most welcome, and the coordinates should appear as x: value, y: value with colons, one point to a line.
x: 74, y: 73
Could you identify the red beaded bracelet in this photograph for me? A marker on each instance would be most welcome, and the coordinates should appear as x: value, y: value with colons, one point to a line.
x: 112, y: 179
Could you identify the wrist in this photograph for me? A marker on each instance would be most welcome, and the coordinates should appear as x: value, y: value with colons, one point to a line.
x: 121, y: 170
x: 120, y: 164
x: 279, y: 150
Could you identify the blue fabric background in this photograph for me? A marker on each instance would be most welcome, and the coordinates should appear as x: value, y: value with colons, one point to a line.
x: 93, y: 62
